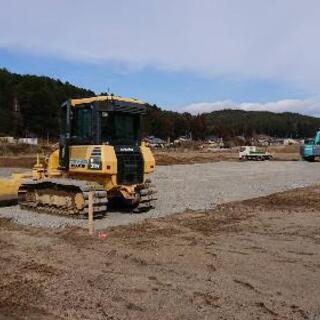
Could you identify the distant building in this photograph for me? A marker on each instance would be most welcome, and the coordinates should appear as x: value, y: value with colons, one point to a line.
x: 182, y: 139
x: 33, y: 141
x: 155, y: 142
x: 261, y: 140
x: 214, y: 141
x: 288, y: 142
x: 7, y: 139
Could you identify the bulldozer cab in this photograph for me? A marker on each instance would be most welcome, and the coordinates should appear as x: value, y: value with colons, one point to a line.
x: 100, y: 120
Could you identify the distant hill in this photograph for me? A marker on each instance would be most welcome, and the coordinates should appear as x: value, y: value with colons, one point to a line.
x: 29, y: 106
x: 247, y: 123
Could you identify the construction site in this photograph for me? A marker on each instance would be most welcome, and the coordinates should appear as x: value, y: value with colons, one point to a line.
x: 159, y: 160
x: 105, y: 227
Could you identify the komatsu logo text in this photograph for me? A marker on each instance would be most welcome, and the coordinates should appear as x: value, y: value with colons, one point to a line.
x: 78, y: 163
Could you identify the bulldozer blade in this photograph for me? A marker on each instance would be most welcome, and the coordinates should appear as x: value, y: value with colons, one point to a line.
x: 9, y: 188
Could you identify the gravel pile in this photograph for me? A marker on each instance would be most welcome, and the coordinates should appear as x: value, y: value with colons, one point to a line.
x: 197, y: 186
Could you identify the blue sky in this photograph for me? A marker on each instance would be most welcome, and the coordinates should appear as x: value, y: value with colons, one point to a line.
x: 197, y: 56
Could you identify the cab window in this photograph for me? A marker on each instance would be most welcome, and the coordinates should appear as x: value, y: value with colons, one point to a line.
x: 82, y: 125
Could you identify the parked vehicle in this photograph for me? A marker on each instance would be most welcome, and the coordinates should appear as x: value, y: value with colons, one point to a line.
x: 311, y: 148
x: 251, y: 153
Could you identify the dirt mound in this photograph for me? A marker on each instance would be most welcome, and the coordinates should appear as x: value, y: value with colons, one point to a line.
x: 306, y: 198
x: 191, y: 157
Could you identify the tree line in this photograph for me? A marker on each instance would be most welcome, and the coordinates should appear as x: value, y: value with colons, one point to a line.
x: 29, y: 106
x: 230, y: 123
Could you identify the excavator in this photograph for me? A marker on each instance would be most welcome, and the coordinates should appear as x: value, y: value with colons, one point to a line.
x: 100, y: 152
x: 310, y: 149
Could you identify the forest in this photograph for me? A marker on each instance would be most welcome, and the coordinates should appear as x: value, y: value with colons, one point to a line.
x: 29, y: 107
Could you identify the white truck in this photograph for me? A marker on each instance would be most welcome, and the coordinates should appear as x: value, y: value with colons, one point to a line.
x: 252, y: 153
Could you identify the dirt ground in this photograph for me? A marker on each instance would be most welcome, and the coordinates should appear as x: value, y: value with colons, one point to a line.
x: 255, y: 259
x: 163, y: 156
x: 191, y: 157
x: 18, y: 161
x: 170, y: 157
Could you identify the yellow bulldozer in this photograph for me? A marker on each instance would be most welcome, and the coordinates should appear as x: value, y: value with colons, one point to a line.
x: 100, y: 151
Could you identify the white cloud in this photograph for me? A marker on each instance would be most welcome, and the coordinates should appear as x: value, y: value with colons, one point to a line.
x: 276, y: 39
x: 308, y: 106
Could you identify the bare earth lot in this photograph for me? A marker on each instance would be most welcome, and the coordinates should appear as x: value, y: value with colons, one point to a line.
x: 187, y: 156
x: 256, y: 259
x: 26, y: 156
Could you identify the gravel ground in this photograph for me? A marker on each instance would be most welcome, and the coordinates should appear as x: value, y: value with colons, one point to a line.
x: 6, y: 172
x: 197, y: 186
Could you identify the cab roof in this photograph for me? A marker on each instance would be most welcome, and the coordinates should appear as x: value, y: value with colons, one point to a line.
x: 75, y: 102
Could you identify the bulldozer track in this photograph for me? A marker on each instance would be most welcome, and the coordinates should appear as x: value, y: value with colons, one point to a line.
x: 147, y: 198
x: 67, y: 197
